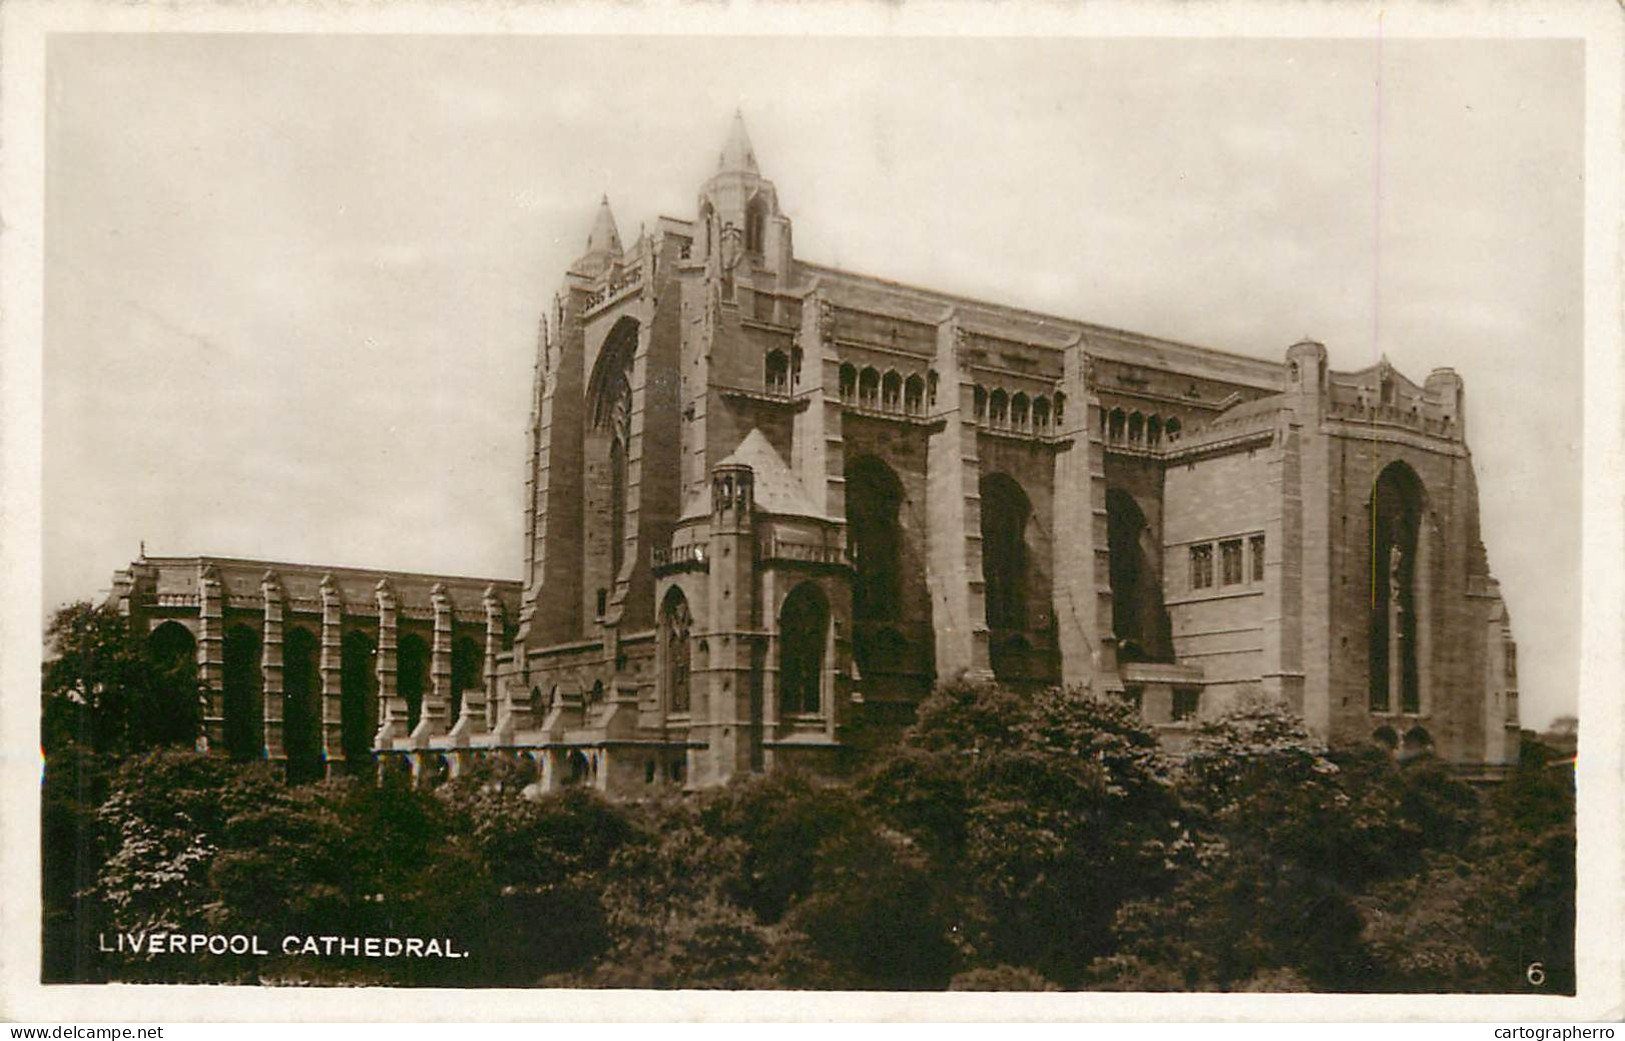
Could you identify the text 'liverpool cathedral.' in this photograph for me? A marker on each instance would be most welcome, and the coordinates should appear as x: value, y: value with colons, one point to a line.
x: 769, y: 504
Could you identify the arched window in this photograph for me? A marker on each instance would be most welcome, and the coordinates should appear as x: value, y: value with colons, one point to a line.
x: 1006, y: 512
x: 1041, y: 414
x: 931, y: 388
x: 1386, y: 737
x: 998, y: 408
x: 874, y: 497
x: 1116, y: 426
x: 891, y: 391
x: 803, y: 633
x: 869, y: 388
x: 1417, y: 742
x: 243, y: 693
x: 675, y: 625
x: 778, y: 373
x: 412, y: 676
x: 1060, y: 408
x: 301, y: 705
x: 849, y: 382
x: 1139, y: 619
x: 358, y: 700
x: 795, y: 366
x: 979, y: 404
x: 1396, y: 520
x: 173, y: 652
x: 1018, y: 411
x: 914, y: 395
x: 467, y: 669
x: 708, y: 218
x: 1172, y: 429
x: 1136, y: 427
x: 611, y: 394
x: 756, y: 225
x: 1153, y: 431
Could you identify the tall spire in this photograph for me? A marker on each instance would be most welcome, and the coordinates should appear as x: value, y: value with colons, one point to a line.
x: 737, y: 153
x: 604, y: 238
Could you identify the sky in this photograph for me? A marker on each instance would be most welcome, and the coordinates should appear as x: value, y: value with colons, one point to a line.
x: 292, y: 282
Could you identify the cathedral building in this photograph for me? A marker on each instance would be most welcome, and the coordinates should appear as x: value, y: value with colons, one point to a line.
x: 769, y: 504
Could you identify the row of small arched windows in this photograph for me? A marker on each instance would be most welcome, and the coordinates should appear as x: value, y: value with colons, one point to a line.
x: 782, y: 371
x: 1136, y: 428
x: 891, y: 392
x: 1018, y: 412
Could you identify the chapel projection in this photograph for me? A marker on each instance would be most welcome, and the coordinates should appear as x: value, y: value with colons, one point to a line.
x: 1398, y: 582
x: 1139, y: 619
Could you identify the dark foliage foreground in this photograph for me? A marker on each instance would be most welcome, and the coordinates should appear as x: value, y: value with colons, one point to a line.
x: 1014, y: 841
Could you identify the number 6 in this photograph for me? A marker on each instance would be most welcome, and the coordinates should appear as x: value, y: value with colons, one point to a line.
x: 1536, y: 973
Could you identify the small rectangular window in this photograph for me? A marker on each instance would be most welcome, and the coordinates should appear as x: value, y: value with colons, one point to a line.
x: 1135, y: 696
x: 1230, y: 556
x: 1185, y: 701
x: 1201, y: 567
x: 1258, y: 558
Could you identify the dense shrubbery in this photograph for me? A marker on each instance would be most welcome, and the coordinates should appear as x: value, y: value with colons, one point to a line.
x: 1014, y: 841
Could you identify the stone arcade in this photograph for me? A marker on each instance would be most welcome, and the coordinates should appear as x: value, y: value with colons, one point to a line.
x: 769, y: 503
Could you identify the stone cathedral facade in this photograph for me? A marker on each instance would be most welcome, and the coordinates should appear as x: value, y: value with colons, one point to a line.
x: 769, y: 504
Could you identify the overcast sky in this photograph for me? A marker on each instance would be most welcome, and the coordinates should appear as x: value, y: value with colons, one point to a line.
x: 293, y: 282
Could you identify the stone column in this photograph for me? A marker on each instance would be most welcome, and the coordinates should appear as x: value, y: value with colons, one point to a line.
x: 493, y: 647
x: 1083, y: 591
x: 332, y: 667
x: 391, y: 707
x: 211, y: 656
x: 953, y: 490
x: 271, y: 666
x: 437, y: 703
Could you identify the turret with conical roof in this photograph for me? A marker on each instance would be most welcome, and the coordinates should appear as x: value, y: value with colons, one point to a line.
x: 739, y: 216
x: 603, y: 243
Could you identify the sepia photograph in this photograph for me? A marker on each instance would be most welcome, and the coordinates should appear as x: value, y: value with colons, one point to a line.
x: 865, y: 512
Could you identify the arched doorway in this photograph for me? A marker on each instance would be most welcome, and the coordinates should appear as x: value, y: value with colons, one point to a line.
x: 1398, y: 574
x: 243, y: 693
x: 803, y: 636
x: 358, y: 698
x: 1139, y: 620
x: 301, y: 705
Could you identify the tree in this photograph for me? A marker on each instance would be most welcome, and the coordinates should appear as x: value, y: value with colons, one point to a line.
x: 101, y: 690
x: 1046, y: 809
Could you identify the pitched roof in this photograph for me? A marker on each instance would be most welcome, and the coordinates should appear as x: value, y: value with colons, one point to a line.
x: 778, y: 489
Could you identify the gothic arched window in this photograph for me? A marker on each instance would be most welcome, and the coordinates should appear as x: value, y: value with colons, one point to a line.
x: 998, y: 408
x: 778, y: 373
x: 1005, y: 514
x: 676, y: 624
x: 914, y: 395
x: 756, y: 225
x: 301, y: 705
x: 891, y: 391
x: 412, y: 676
x: 869, y: 388
x: 358, y: 697
x: 849, y: 383
x: 243, y: 694
x: 1396, y: 522
x: 803, y: 629
x: 173, y: 652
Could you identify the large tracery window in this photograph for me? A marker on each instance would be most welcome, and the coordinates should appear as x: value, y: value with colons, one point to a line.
x: 612, y: 419
x: 1396, y: 516
x: 1005, y: 514
x: 874, y: 498
x: 301, y: 705
x: 676, y: 625
x: 358, y: 708
x: 803, y: 625
x: 412, y: 676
